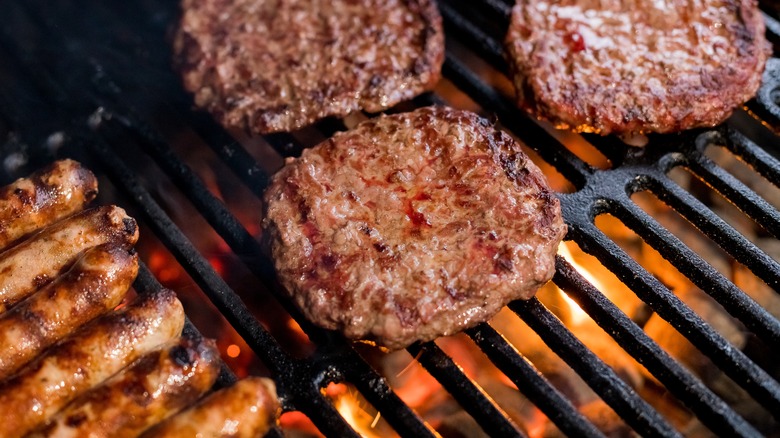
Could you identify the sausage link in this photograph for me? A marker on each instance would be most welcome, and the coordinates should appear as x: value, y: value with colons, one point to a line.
x: 86, y: 359
x: 33, y: 263
x: 46, y: 196
x: 93, y: 286
x: 247, y: 409
x: 153, y: 388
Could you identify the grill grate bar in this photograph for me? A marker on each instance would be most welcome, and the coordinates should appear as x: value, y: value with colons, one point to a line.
x: 772, y: 26
x: 635, y: 411
x: 475, y: 37
x: 720, y: 232
x: 531, y: 382
x: 197, y: 266
x: 144, y: 283
x: 736, y: 302
x: 285, y: 144
x: 486, y: 46
x: 493, y: 420
x: 762, y: 162
x: 765, y: 103
x: 731, y: 360
x: 712, y: 410
x: 375, y: 389
x: 737, y: 192
x: 214, y: 211
x: 243, y: 164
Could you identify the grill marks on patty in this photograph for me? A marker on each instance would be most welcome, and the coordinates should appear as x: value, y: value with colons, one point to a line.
x: 412, y: 226
x: 270, y: 66
x: 638, y: 66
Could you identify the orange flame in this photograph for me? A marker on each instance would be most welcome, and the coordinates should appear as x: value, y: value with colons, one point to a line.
x: 577, y: 316
x: 348, y: 405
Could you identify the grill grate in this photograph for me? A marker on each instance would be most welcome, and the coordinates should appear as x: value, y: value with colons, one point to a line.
x: 92, y: 73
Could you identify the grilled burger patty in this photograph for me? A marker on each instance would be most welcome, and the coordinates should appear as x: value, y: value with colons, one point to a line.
x: 636, y: 66
x: 269, y: 66
x: 412, y: 226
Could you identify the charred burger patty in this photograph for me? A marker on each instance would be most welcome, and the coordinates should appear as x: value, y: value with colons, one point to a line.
x: 412, y: 226
x: 631, y: 67
x: 269, y: 66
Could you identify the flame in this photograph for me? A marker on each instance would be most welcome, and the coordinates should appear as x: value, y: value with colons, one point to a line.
x: 576, y: 314
x: 348, y: 405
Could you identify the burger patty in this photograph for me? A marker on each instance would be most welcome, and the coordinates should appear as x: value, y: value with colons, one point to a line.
x: 278, y: 65
x: 638, y: 66
x: 412, y: 226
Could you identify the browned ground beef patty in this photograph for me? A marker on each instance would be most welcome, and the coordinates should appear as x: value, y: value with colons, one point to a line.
x: 270, y: 66
x: 412, y: 226
x: 628, y: 67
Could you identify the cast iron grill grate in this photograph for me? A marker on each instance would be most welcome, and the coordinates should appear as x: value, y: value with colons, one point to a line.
x: 79, y: 78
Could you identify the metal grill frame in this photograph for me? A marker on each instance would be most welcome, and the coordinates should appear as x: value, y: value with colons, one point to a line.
x: 64, y: 79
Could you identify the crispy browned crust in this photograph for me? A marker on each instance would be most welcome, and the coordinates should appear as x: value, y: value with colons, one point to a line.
x: 412, y: 226
x: 93, y: 286
x: 22, y: 271
x: 247, y: 409
x: 50, y: 194
x: 86, y: 359
x: 268, y: 66
x: 154, y: 387
x: 627, y: 67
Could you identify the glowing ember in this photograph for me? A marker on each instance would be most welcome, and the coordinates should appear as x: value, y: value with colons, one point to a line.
x: 300, y: 423
x: 233, y: 350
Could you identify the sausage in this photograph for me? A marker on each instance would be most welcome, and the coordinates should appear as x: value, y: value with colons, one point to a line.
x: 246, y: 409
x: 22, y: 268
x: 154, y: 387
x: 93, y: 286
x: 86, y: 359
x: 46, y: 196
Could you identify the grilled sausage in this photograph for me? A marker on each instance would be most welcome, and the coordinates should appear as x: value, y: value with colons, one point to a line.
x: 86, y: 359
x: 21, y: 268
x: 154, y: 387
x: 52, y: 193
x: 246, y: 409
x: 93, y: 286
